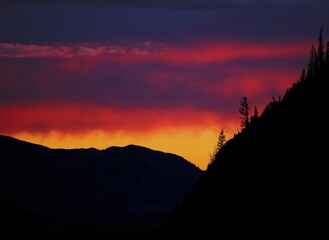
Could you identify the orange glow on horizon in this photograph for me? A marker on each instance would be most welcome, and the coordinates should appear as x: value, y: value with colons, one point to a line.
x: 192, y: 144
x: 189, y: 133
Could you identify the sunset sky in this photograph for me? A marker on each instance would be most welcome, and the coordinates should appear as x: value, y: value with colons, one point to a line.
x: 165, y: 74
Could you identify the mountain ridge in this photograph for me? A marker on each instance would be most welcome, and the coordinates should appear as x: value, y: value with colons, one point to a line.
x: 88, y: 193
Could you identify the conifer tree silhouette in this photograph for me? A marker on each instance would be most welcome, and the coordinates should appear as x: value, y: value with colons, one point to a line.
x: 303, y: 75
x: 221, y: 139
x: 244, y: 111
x: 327, y: 53
x: 320, y: 52
x: 220, y: 143
x: 312, y: 62
x: 318, y: 57
x: 255, y: 115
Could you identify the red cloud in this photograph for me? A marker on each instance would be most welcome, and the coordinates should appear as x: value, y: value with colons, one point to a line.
x: 156, y: 52
x: 226, y: 52
x: 79, y: 119
x: 205, y: 53
x: 256, y: 81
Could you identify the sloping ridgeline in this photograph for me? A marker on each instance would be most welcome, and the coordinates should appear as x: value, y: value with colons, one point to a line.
x: 270, y: 181
x: 116, y: 193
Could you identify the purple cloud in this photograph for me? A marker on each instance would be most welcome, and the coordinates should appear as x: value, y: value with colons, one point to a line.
x: 177, y: 4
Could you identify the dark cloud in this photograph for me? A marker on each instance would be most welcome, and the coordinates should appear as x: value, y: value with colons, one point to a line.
x: 174, y: 4
x: 42, y: 24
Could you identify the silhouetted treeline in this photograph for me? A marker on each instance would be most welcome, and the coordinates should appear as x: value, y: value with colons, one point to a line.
x: 269, y: 181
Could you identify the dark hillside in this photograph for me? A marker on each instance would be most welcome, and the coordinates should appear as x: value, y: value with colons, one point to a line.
x: 116, y: 193
x: 270, y: 180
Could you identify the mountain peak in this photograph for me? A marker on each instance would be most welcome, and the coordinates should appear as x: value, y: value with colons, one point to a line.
x: 88, y: 192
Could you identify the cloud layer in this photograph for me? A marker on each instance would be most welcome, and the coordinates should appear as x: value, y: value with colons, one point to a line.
x: 176, y: 4
x: 164, y: 74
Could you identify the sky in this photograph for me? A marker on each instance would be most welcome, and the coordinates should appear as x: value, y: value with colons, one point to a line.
x: 168, y: 75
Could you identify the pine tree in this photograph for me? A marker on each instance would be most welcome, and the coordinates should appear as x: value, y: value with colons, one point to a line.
x: 327, y: 53
x: 312, y: 62
x: 220, y: 143
x: 221, y: 139
x: 320, y: 52
x: 303, y: 75
x: 244, y: 111
x: 255, y: 116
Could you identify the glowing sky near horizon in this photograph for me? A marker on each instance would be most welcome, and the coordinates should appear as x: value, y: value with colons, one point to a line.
x: 164, y: 75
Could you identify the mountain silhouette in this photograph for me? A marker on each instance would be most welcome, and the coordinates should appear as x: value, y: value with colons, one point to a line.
x: 116, y: 193
x: 270, y: 181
